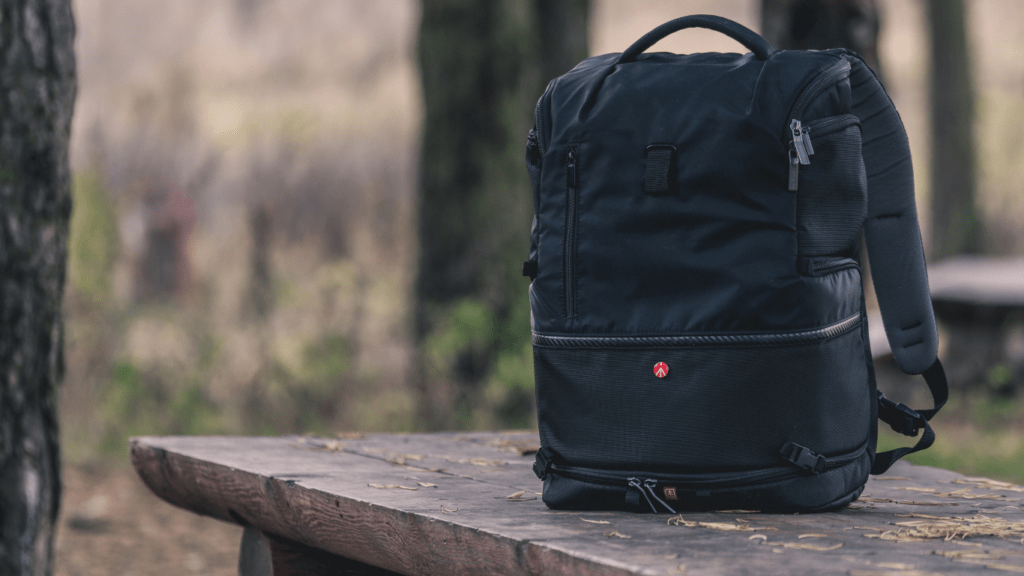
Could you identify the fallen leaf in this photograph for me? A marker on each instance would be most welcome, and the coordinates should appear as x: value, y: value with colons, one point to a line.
x: 891, y: 573
x: 724, y: 526
x: 989, y: 484
x: 596, y: 521
x: 915, y: 489
x: 448, y: 510
x: 329, y: 446
x: 799, y: 546
x: 812, y: 536
x: 894, y: 565
x: 616, y: 535
x: 427, y: 484
x: 757, y: 537
x: 516, y: 495
x: 389, y: 486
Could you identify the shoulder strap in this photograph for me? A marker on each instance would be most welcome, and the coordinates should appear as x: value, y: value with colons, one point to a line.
x: 896, y: 255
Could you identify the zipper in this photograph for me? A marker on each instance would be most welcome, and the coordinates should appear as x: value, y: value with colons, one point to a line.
x: 646, y: 482
x: 824, y: 266
x: 571, y: 217
x: 826, y: 79
x: 800, y: 147
x: 539, y: 115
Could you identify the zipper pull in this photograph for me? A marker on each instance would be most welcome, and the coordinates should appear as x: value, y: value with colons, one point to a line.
x: 794, y: 170
x: 570, y: 172
x: 806, y: 132
x: 635, y: 483
x: 798, y: 142
x: 650, y: 484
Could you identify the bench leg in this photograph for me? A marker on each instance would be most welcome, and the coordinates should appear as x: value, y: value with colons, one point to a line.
x: 270, y: 555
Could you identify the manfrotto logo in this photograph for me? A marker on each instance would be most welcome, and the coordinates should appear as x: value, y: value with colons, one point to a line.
x: 661, y: 369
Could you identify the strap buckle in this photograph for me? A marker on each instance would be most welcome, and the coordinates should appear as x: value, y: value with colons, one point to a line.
x: 542, y: 465
x: 899, y: 416
x: 804, y: 458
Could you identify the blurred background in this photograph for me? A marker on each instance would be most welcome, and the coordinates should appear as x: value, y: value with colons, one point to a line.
x: 257, y: 182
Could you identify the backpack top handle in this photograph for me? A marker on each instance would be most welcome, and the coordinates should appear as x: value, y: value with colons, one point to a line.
x: 738, y: 32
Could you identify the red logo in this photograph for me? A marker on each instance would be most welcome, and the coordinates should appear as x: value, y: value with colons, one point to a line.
x: 661, y: 369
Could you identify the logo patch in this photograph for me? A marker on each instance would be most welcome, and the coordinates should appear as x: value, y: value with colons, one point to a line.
x: 661, y: 369
x: 670, y: 493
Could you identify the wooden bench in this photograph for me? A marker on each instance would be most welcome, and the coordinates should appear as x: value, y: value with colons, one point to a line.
x: 449, y: 504
x: 980, y: 302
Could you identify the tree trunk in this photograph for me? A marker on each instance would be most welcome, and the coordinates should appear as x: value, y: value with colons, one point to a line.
x: 37, y: 84
x: 483, y: 66
x: 823, y: 24
x: 955, y: 226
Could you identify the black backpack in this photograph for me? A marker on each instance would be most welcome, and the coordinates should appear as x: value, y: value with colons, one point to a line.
x: 699, y: 328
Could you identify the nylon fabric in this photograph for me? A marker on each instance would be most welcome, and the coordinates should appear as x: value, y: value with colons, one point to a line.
x: 693, y: 420
x: 702, y: 212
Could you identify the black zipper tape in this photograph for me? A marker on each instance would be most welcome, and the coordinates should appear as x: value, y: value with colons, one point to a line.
x: 571, y: 222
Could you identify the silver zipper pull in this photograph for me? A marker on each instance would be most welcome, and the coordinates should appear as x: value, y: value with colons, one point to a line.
x: 798, y: 142
x: 807, y: 140
x: 794, y: 170
x: 650, y: 484
x: 635, y: 483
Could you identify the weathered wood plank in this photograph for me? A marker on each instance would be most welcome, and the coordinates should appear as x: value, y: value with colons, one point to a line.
x: 320, y: 493
x: 981, y: 281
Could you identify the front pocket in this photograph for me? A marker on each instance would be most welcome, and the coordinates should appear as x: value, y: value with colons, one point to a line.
x: 832, y: 191
x: 726, y: 404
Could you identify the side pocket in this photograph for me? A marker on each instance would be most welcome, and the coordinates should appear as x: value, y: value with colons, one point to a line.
x: 534, y: 159
x: 832, y: 194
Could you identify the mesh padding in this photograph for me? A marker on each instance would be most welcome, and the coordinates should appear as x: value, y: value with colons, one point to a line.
x: 832, y: 199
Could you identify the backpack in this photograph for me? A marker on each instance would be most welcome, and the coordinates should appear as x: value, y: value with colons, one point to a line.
x: 699, y: 329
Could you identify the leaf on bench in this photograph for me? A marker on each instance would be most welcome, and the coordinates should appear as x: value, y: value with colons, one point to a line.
x: 390, y: 486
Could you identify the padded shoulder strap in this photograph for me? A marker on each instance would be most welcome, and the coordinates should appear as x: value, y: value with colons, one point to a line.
x: 891, y: 231
x: 896, y: 255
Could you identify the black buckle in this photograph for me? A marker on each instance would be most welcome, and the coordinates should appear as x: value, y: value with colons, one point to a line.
x: 542, y: 465
x: 899, y: 416
x: 804, y: 458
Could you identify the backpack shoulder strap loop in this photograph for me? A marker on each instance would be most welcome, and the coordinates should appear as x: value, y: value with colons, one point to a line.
x: 896, y: 256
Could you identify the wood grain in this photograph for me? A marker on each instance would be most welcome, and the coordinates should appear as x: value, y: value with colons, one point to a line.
x: 322, y: 494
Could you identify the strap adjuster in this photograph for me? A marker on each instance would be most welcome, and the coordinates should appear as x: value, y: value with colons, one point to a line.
x: 804, y: 458
x: 530, y: 269
x: 899, y: 416
x: 542, y: 465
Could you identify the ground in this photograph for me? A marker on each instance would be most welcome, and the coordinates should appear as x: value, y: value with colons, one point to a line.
x: 112, y: 525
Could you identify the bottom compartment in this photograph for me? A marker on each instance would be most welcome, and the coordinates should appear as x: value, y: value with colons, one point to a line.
x: 791, y: 490
x: 717, y: 409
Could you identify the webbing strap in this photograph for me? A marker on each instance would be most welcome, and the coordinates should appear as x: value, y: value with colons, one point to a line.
x: 908, y: 422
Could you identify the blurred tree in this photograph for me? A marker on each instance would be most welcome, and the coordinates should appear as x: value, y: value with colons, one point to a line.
x: 823, y: 24
x: 37, y: 84
x: 483, y: 66
x: 955, y: 226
